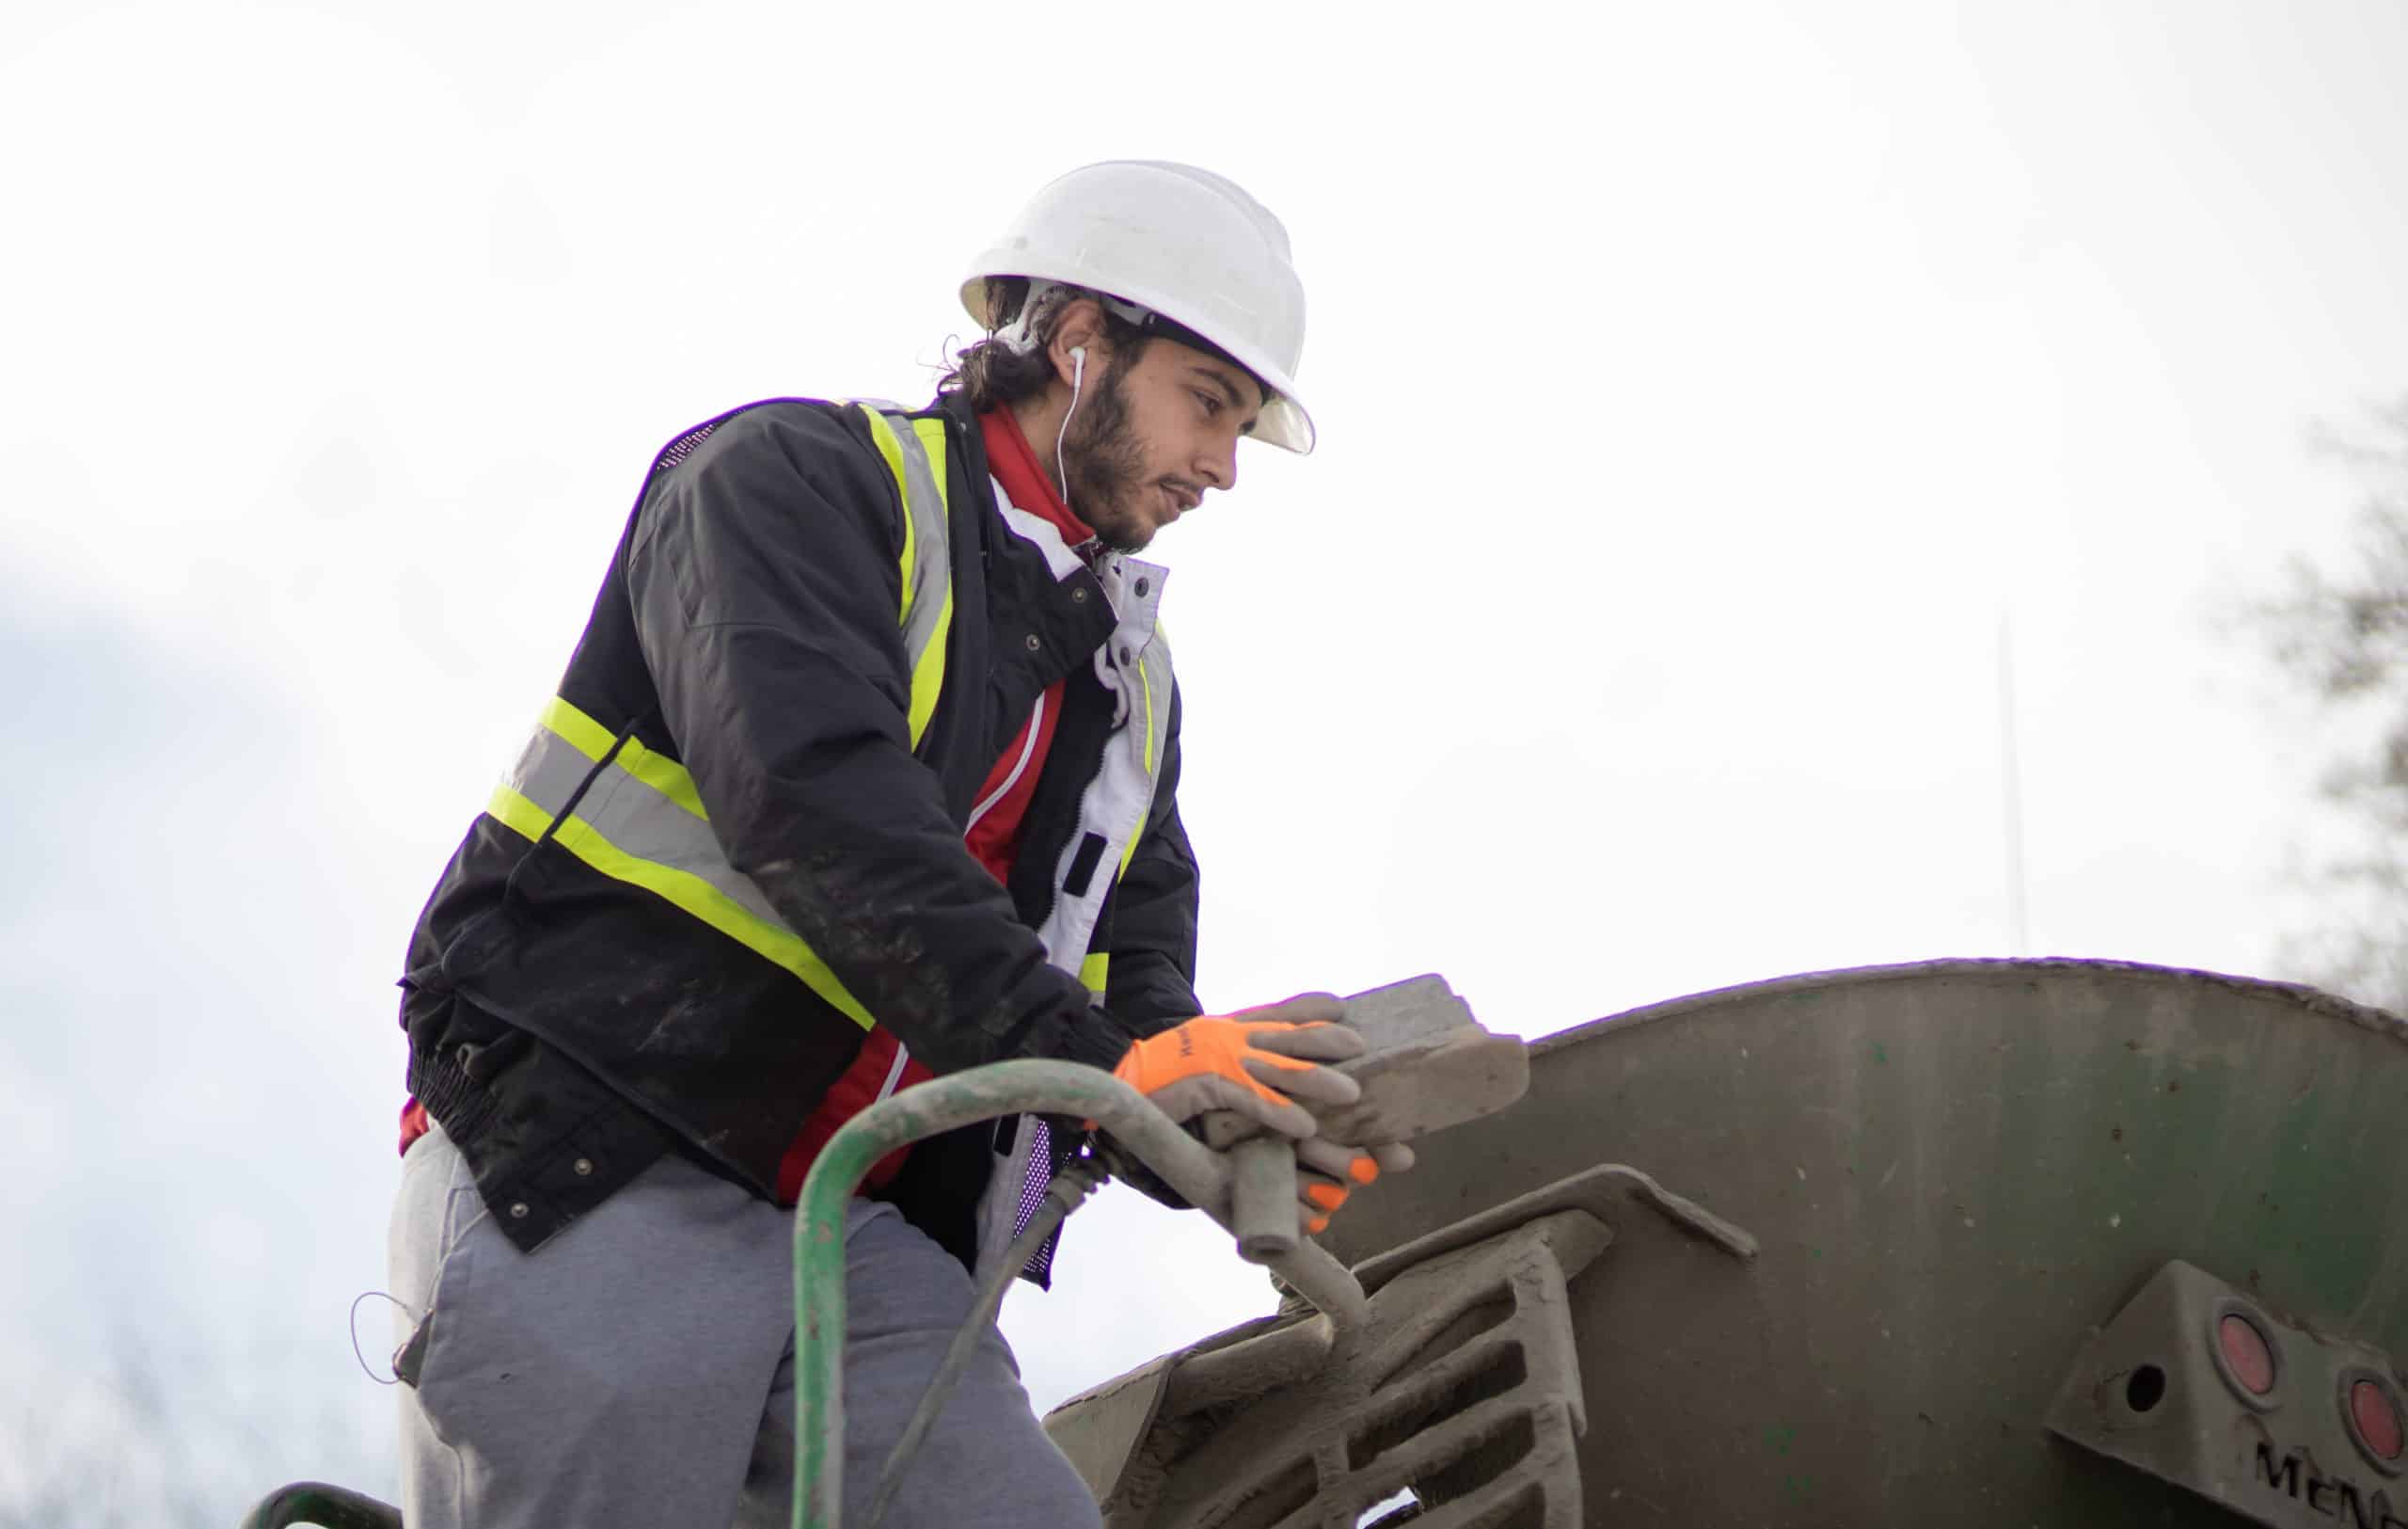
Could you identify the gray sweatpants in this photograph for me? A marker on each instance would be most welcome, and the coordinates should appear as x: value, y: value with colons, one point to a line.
x: 638, y: 1370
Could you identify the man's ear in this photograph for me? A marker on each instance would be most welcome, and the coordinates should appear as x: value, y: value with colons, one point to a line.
x: 1081, y: 329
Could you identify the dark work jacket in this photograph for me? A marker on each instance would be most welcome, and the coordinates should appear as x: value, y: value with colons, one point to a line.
x: 567, y: 1026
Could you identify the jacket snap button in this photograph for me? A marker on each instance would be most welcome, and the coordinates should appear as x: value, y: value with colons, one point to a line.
x: 1033, y: 644
x: 1124, y: 657
x: 518, y: 1212
x: 1078, y: 597
x: 584, y: 1167
x: 1141, y: 589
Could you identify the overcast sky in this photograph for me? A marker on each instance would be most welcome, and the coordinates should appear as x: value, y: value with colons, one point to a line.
x: 1699, y: 390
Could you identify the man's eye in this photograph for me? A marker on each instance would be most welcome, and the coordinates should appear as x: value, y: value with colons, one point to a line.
x: 1212, y: 404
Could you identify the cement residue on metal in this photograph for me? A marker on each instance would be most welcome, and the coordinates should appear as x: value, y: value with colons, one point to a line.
x: 1462, y: 1387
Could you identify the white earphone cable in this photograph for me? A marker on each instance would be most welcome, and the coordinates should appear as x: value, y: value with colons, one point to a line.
x: 1078, y: 380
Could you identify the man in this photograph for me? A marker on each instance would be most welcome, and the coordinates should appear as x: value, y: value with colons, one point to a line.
x: 864, y: 769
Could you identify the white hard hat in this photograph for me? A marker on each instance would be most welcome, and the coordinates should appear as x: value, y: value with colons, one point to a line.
x: 1183, y: 243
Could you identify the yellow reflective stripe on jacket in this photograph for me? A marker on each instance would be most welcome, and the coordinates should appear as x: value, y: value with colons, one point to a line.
x: 914, y: 451
x: 892, y: 449
x: 631, y: 831
x: 1157, y: 656
x: 585, y: 735
x: 925, y: 635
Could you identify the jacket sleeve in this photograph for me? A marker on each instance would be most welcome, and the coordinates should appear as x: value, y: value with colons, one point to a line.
x: 1152, y: 981
x: 766, y: 593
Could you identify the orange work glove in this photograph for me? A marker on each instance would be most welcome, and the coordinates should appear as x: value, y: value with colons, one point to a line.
x: 1259, y: 1062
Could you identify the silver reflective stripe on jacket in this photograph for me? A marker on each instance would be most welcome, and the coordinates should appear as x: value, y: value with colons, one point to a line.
x: 630, y: 816
x: 638, y: 820
x: 927, y: 564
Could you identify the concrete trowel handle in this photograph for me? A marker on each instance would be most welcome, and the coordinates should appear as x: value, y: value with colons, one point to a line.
x: 1262, y: 1197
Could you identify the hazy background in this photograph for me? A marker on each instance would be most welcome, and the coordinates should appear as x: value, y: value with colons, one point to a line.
x: 1699, y: 387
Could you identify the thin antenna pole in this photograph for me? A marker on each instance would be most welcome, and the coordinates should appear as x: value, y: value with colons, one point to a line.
x: 2011, y: 780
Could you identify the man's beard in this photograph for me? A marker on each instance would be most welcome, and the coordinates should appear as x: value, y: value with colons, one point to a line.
x: 1106, y: 465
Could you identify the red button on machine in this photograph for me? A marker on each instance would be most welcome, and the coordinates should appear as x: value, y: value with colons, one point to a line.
x: 2245, y: 1354
x: 2378, y: 1419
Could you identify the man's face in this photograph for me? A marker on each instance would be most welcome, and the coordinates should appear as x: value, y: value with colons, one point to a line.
x: 1149, y: 437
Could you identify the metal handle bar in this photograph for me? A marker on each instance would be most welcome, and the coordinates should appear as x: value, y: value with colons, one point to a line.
x: 932, y: 1108
x: 315, y: 1502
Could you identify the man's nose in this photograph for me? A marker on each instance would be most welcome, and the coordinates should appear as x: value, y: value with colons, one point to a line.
x: 1218, y: 468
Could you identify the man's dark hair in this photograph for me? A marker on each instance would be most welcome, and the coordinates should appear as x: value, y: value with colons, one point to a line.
x: 987, y: 373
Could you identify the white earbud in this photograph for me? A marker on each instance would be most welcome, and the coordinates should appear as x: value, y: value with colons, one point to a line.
x: 1078, y: 383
